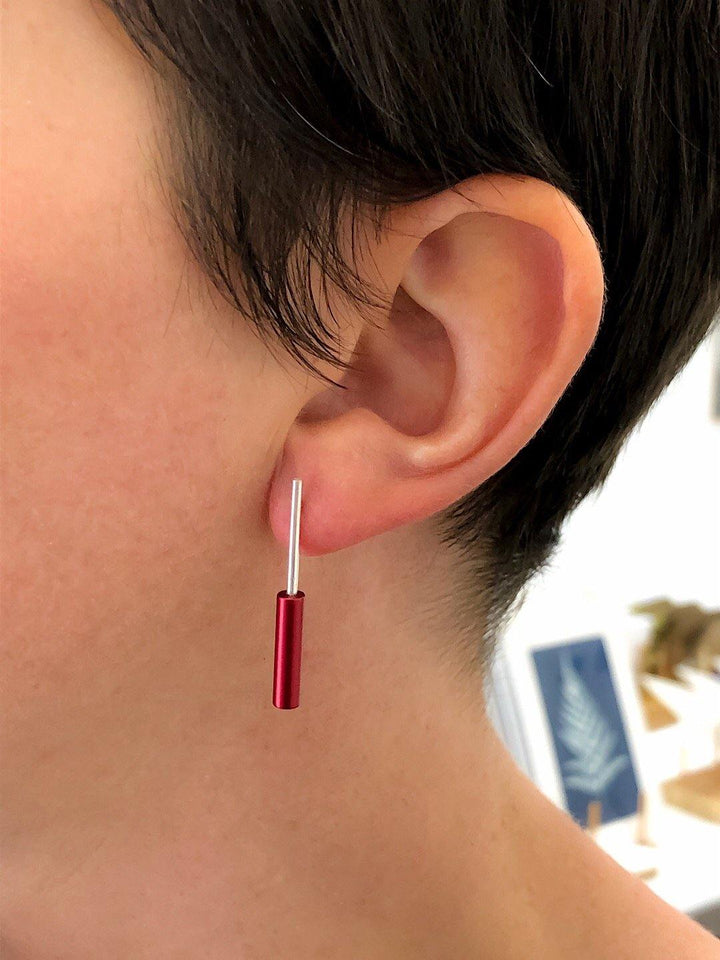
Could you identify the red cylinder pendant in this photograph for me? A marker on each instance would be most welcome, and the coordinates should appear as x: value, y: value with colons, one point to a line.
x: 288, y: 649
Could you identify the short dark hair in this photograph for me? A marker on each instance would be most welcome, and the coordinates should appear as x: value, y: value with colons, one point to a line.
x: 289, y: 113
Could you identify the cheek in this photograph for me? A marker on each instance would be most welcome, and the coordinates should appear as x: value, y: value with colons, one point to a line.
x: 135, y: 423
x: 117, y: 468
x: 103, y: 408
x: 141, y: 420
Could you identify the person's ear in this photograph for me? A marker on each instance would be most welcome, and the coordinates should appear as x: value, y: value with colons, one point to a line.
x: 497, y: 293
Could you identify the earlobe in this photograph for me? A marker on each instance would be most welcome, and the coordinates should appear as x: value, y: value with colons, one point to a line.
x: 499, y: 298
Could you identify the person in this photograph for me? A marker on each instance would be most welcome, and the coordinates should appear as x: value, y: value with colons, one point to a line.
x: 434, y: 260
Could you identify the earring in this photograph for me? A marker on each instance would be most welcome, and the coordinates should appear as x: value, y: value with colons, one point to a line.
x: 289, y: 618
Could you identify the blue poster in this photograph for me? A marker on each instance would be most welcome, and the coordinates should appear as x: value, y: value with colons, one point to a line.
x: 588, y: 731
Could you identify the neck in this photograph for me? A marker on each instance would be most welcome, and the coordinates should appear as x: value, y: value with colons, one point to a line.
x: 382, y: 819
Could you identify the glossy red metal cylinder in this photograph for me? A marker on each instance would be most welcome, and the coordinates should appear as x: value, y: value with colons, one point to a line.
x: 288, y: 649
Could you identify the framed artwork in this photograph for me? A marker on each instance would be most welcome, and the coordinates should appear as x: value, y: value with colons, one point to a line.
x: 577, y: 720
x: 588, y: 732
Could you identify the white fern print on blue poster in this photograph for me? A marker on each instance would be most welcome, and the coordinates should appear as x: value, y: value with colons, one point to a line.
x: 588, y: 731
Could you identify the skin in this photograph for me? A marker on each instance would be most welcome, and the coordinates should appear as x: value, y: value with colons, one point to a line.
x: 154, y: 803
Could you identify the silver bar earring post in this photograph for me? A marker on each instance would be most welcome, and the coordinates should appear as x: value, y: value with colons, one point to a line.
x: 294, y: 542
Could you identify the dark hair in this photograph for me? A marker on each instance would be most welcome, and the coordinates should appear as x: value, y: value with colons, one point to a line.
x: 290, y: 113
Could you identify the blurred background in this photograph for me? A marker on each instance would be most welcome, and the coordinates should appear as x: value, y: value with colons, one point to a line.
x: 606, y: 687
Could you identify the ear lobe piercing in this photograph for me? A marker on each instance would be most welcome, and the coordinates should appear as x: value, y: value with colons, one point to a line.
x: 289, y: 618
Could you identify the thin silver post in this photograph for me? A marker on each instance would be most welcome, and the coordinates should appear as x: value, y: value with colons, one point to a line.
x: 294, y: 543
